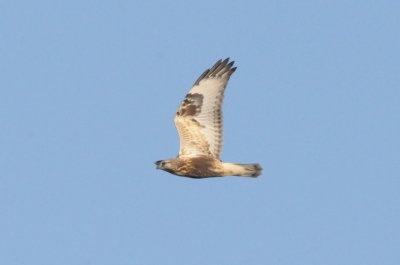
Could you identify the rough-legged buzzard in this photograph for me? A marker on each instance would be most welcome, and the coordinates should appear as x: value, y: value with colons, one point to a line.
x: 199, y: 124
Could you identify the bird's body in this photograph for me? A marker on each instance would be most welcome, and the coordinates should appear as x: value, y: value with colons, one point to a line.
x: 206, y: 167
x: 199, y: 124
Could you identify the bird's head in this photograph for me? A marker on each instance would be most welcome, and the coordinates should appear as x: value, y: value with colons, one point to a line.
x: 163, y: 164
x: 167, y: 165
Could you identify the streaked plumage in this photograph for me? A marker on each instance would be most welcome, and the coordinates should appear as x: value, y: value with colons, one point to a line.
x: 199, y: 124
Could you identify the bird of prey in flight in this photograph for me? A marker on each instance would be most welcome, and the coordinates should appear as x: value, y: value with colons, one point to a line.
x: 199, y: 124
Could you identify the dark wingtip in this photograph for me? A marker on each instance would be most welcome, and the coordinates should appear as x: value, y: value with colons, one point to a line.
x: 218, y: 69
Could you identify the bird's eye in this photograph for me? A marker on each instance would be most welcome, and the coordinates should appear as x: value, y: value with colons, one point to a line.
x: 162, y: 164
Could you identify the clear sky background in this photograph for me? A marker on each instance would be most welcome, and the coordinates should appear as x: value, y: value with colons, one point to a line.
x: 88, y: 91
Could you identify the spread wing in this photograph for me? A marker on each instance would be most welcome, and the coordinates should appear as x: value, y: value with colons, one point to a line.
x: 199, y: 117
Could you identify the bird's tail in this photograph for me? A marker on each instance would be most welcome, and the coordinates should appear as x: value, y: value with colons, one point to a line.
x: 244, y: 170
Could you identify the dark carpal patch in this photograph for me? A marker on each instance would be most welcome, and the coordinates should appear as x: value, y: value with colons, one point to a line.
x: 191, y: 105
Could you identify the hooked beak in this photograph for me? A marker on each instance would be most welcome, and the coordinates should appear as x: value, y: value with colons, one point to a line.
x: 157, y: 163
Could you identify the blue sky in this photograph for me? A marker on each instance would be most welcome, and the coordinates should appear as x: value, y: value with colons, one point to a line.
x: 88, y: 91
